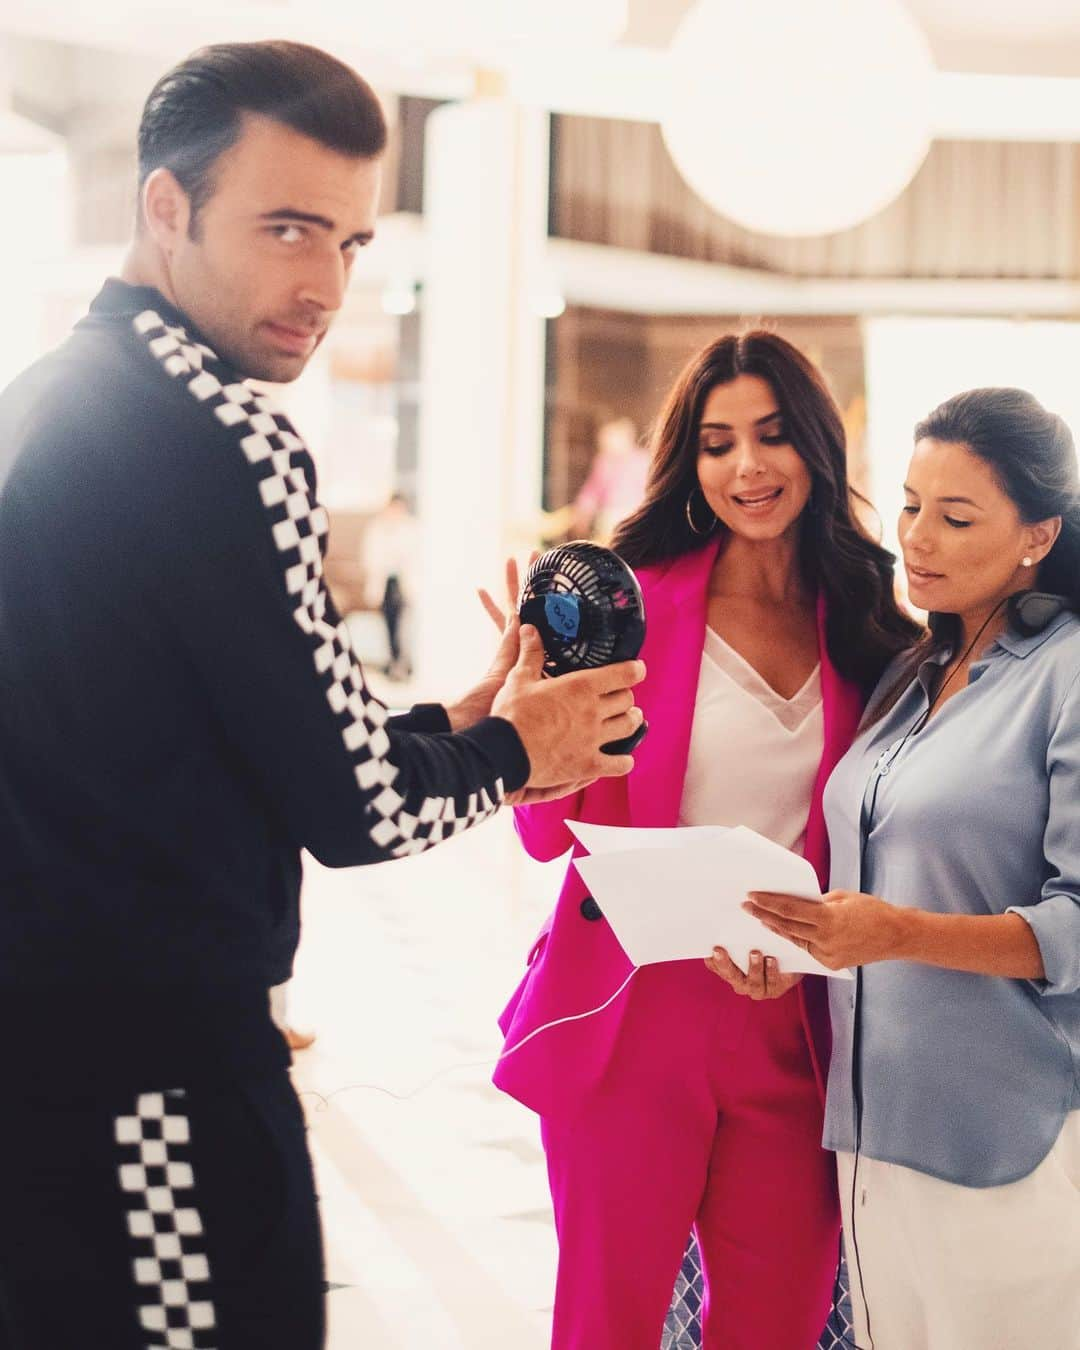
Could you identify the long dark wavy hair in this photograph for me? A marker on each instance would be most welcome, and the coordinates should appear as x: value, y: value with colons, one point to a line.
x: 1033, y: 459
x: 866, y: 627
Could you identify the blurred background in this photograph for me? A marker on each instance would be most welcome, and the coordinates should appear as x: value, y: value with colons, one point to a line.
x: 579, y: 194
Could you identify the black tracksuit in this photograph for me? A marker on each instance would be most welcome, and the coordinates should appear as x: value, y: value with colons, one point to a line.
x: 180, y: 714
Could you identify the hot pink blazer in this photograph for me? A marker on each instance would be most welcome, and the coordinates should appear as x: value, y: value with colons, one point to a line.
x: 576, y: 963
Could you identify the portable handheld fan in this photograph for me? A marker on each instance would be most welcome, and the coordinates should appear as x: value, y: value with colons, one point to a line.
x: 587, y: 605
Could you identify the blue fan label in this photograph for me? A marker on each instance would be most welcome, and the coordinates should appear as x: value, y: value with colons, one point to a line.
x: 563, y: 613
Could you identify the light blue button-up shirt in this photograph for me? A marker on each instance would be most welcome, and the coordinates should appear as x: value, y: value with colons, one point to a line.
x: 966, y: 1077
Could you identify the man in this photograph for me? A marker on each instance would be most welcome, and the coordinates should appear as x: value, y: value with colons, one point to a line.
x: 181, y: 713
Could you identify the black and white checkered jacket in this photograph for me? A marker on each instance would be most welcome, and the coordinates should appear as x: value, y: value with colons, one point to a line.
x: 180, y: 709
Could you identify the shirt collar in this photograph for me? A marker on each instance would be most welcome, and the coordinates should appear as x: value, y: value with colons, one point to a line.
x: 119, y: 299
x: 1017, y: 645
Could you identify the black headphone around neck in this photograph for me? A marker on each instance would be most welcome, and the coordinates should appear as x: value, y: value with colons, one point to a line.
x: 1027, y: 613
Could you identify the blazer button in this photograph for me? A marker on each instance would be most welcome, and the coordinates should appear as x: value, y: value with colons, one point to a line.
x: 590, y: 909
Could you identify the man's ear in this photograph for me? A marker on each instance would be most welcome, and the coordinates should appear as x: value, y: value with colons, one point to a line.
x: 166, y: 209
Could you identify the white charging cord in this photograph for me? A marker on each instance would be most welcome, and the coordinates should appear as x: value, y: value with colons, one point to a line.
x: 476, y: 1064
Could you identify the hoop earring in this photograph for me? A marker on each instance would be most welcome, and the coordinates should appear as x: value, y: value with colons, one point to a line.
x: 690, y: 514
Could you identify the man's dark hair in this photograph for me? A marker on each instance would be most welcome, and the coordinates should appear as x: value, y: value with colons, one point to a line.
x: 195, y: 111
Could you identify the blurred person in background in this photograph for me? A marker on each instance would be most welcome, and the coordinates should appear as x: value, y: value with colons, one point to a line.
x: 613, y: 490
x: 390, y: 556
x: 182, y: 713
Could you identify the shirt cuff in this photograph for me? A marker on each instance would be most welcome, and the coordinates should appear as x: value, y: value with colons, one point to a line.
x: 1056, y: 925
x: 429, y: 718
x: 502, y: 746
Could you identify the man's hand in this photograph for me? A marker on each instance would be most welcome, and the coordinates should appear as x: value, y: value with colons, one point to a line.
x: 476, y: 704
x: 563, y: 722
x: 527, y: 796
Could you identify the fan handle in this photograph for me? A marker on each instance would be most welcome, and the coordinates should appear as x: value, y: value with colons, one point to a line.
x: 628, y: 744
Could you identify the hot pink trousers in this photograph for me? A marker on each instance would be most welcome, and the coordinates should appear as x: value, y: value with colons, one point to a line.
x: 708, y: 1115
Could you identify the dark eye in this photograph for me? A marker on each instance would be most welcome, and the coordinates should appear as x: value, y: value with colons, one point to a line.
x: 717, y: 449
x: 287, y: 233
x: 775, y: 438
x: 958, y: 524
x: 910, y: 510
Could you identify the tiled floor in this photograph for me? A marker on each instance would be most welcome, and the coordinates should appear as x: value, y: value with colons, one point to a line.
x: 436, y: 1209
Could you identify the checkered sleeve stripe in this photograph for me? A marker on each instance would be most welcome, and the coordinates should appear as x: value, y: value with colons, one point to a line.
x: 403, y: 821
x: 173, y: 1295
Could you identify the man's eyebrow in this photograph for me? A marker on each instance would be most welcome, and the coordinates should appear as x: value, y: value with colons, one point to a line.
x: 289, y: 215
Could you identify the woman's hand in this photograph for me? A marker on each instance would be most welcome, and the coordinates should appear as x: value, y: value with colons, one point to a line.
x: 844, y: 928
x: 476, y: 704
x: 500, y: 618
x: 763, y: 978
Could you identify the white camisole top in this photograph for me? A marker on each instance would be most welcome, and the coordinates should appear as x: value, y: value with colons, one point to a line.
x: 753, y: 755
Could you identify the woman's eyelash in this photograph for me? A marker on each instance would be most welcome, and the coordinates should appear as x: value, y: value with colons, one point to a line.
x: 956, y: 524
x: 774, y: 438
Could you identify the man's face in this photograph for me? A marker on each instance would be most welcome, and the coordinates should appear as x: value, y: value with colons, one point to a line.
x: 267, y: 268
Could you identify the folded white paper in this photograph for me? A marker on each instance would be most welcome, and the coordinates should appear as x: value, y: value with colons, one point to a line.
x: 621, y: 839
x: 675, y: 894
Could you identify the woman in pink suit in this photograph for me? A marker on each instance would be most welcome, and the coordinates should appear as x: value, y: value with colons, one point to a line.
x: 770, y: 614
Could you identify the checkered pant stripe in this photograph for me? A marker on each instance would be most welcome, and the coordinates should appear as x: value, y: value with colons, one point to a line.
x: 682, y: 1328
x: 169, y: 1264
x: 279, y: 462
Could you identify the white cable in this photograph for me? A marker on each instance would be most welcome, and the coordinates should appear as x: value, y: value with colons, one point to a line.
x: 577, y: 1017
x: 477, y: 1064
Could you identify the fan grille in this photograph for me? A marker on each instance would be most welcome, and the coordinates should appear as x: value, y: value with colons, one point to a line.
x: 603, y: 620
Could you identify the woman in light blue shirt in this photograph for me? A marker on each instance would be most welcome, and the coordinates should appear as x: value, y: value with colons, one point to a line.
x: 954, y: 820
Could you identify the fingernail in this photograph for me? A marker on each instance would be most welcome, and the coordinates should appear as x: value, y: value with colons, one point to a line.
x: 755, y: 958
x: 747, y: 905
x: 770, y: 961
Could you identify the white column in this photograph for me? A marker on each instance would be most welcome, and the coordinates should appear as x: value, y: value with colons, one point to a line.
x: 482, y: 374
x: 35, y: 185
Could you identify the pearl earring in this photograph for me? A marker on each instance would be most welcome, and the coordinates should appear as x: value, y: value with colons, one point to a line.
x: 1025, y: 562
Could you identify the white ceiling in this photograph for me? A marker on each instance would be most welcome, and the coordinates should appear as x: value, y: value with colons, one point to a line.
x: 88, y: 58
x: 1031, y: 37
x: 1025, y: 36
